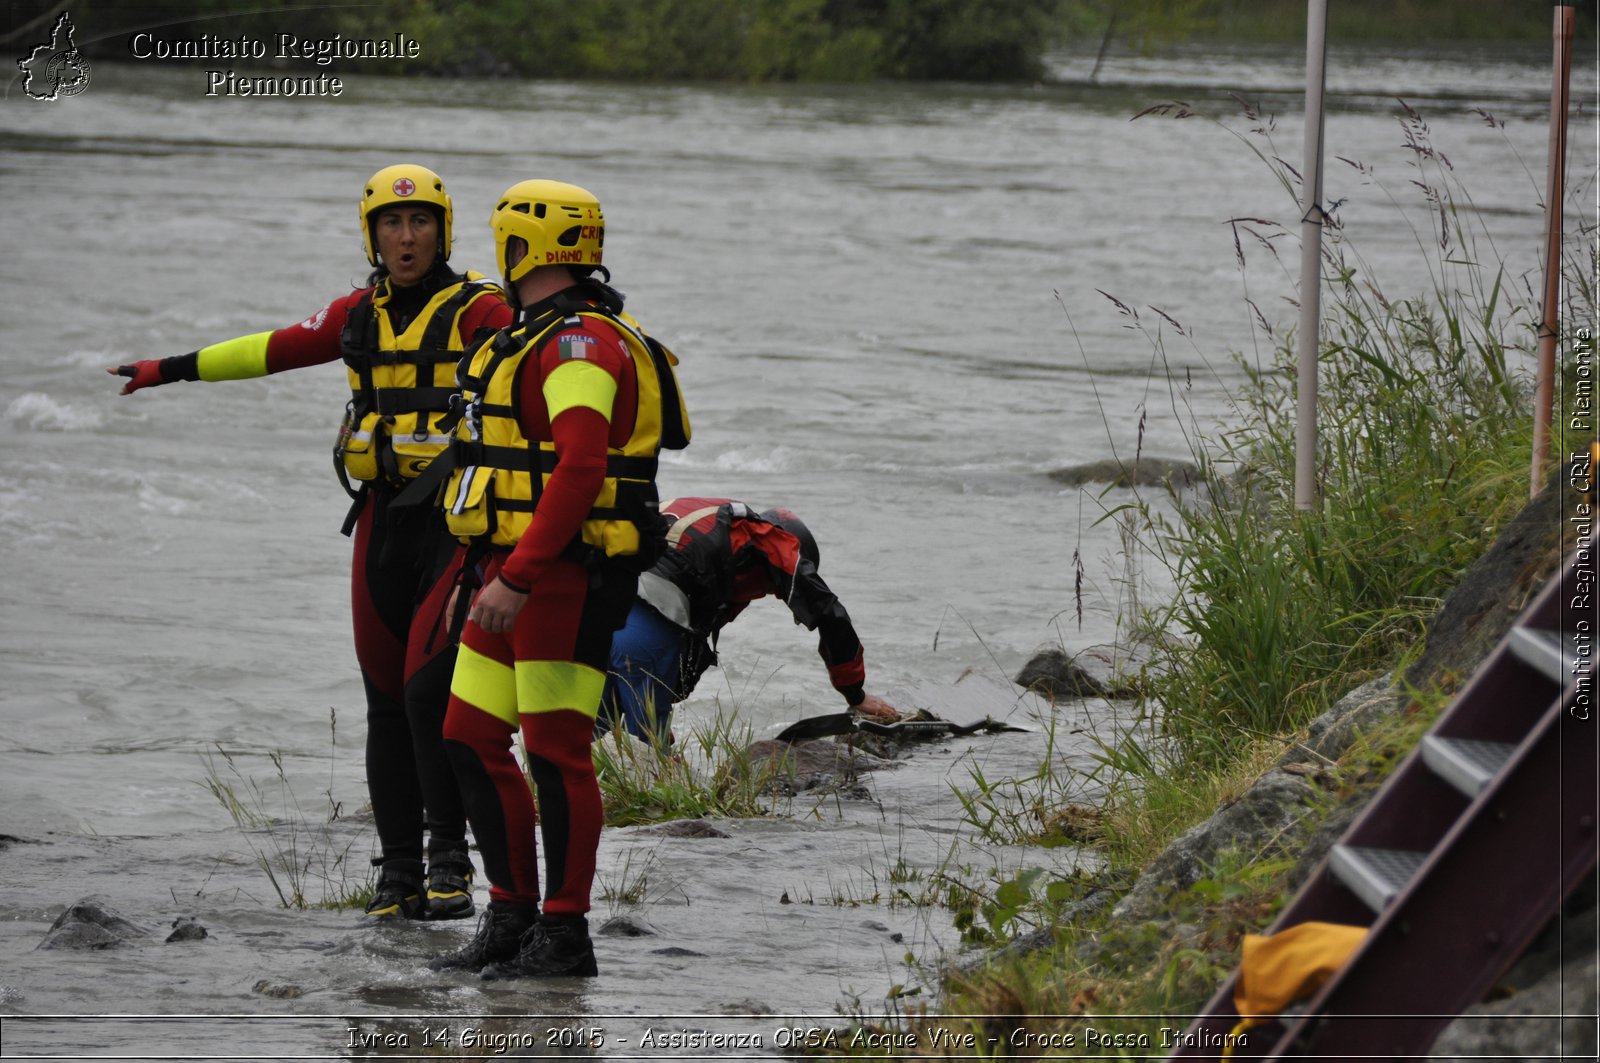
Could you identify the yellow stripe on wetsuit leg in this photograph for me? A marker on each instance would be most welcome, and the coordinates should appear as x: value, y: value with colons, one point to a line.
x: 238, y: 359
x: 579, y: 384
x: 545, y: 686
x: 486, y: 683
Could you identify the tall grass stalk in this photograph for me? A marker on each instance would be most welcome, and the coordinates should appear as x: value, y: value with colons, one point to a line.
x: 712, y: 773
x: 1018, y: 811
x: 1424, y: 428
x: 1424, y: 424
x: 297, y: 854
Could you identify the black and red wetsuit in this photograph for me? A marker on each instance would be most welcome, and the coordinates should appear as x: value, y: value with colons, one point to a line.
x: 545, y: 675
x: 398, y: 592
x: 722, y: 555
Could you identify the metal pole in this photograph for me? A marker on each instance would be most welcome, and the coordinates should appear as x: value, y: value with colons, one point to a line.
x: 1305, y: 456
x: 1554, y: 191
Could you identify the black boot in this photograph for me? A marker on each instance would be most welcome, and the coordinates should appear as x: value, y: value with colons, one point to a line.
x: 449, y: 880
x: 557, y: 946
x: 500, y: 932
x: 399, y: 894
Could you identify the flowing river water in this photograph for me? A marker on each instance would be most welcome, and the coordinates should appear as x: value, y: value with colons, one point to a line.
x: 887, y: 300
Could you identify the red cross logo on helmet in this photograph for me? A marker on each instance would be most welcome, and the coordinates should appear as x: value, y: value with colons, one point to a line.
x: 404, y: 186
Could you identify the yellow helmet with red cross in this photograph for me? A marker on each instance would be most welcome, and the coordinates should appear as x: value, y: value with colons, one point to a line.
x: 401, y: 185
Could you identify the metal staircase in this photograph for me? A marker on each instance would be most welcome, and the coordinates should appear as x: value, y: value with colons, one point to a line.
x: 1461, y: 858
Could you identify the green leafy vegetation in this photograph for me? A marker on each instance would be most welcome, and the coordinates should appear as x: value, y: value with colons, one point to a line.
x: 298, y: 852
x: 795, y: 40
x: 1424, y: 427
x: 712, y: 773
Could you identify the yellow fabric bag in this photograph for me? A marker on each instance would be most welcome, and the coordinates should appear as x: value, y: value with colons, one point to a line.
x: 1278, y: 969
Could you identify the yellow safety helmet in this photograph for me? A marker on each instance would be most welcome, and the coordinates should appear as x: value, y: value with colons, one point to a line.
x: 561, y: 224
x: 405, y: 183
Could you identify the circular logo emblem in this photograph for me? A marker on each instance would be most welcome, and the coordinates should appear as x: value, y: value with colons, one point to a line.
x: 404, y: 186
x: 67, y: 73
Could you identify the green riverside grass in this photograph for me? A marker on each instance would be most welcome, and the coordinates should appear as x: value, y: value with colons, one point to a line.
x: 1425, y: 427
x: 1424, y: 431
x: 295, y: 852
x: 710, y: 774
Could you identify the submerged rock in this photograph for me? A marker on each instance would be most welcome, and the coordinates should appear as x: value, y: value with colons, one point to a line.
x: 1057, y: 676
x: 278, y: 990
x: 1147, y: 471
x: 626, y: 926
x: 686, y: 828
x: 748, y: 1006
x: 813, y: 767
x: 89, y: 924
x: 187, y: 928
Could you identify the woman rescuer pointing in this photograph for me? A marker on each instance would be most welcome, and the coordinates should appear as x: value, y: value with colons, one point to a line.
x: 400, y: 337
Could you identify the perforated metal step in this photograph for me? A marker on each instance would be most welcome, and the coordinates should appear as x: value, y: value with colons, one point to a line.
x: 1543, y: 650
x: 1430, y: 874
x: 1465, y: 763
x: 1374, y: 875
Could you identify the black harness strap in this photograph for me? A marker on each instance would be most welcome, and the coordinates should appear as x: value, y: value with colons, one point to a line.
x: 354, y: 513
x: 393, y: 401
x: 358, y: 343
x: 461, y: 453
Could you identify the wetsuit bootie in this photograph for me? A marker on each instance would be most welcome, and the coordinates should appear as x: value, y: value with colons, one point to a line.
x: 557, y: 946
x: 450, y: 876
x: 500, y: 932
x: 399, y: 894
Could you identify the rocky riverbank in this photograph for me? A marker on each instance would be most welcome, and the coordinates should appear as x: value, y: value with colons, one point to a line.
x: 1294, y: 812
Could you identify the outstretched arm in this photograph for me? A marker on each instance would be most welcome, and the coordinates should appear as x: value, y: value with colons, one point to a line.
x: 311, y: 342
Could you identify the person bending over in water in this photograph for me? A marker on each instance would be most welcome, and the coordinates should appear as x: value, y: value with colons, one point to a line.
x: 721, y: 556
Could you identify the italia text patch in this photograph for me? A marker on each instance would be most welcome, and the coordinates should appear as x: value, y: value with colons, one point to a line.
x: 576, y: 346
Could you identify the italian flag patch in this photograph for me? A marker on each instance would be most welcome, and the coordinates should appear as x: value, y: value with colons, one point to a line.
x: 576, y: 346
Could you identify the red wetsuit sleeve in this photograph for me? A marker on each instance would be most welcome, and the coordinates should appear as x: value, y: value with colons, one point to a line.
x: 315, y: 340
x: 795, y: 580
x: 580, y: 438
x: 486, y: 312
x: 319, y: 338
x: 581, y: 434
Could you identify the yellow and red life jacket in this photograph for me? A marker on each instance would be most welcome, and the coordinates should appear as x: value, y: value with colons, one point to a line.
x: 498, y: 474
x: 401, y: 384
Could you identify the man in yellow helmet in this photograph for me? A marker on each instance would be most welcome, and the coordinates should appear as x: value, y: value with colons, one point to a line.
x: 553, y: 488
x: 400, y: 338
